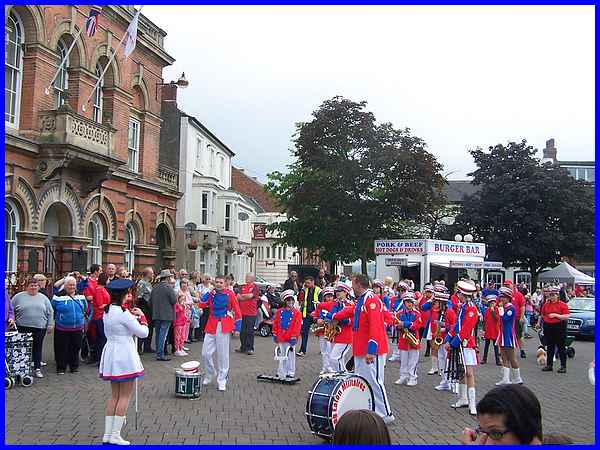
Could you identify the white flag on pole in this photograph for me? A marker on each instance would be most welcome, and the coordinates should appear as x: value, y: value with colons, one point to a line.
x: 131, y: 35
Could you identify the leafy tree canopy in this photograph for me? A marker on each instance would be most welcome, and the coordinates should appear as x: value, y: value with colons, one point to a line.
x: 354, y: 181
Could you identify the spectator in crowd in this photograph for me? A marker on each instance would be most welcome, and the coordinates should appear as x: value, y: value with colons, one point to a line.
x: 308, y: 298
x: 121, y: 272
x: 162, y: 302
x: 100, y: 299
x: 361, y: 427
x: 529, y: 310
x: 143, y: 291
x: 184, y: 290
x: 292, y: 282
x: 88, y: 291
x: 111, y: 270
x: 508, y: 415
x: 248, y: 301
x: 322, y: 279
x: 42, y: 283
x: 180, y: 276
x: 9, y: 313
x: 70, y: 319
x: 555, y: 314
x: 490, y: 289
x: 34, y: 314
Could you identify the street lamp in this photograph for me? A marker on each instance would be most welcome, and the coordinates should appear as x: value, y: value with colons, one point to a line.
x: 181, y: 83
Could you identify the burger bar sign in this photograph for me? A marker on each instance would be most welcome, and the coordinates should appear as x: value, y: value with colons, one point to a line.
x: 428, y: 246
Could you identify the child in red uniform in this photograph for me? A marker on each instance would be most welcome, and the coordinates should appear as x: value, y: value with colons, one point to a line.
x: 408, y: 321
x: 325, y: 304
x: 491, y: 327
x: 341, y: 347
x: 286, y: 329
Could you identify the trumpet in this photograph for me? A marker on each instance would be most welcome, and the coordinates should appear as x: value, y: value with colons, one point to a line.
x: 411, y: 338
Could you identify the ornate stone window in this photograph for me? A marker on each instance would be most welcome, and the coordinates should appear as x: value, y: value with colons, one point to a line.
x: 96, y: 234
x: 62, y: 80
x: 13, y: 39
x: 11, y: 226
x: 129, y: 247
x: 98, y: 96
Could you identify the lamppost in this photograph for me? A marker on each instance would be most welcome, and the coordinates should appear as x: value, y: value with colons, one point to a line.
x: 181, y: 83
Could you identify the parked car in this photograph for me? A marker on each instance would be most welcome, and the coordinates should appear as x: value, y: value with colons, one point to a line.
x: 262, y: 284
x: 582, y: 318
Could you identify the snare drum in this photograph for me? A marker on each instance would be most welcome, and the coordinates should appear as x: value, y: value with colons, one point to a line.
x: 188, y: 384
x: 331, y: 396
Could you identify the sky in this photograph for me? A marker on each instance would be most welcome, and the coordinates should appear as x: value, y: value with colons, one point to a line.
x: 458, y: 77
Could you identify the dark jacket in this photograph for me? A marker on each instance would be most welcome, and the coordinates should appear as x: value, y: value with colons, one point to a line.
x: 162, y: 302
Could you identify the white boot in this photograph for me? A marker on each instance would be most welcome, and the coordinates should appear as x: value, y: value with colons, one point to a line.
x: 516, y: 376
x: 462, y: 399
x: 401, y: 380
x: 472, y: 404
x: 443, y: 386
x: 115, y: 437
x: 108, y: 424
x: 434, y: 366
x: 505, y: 377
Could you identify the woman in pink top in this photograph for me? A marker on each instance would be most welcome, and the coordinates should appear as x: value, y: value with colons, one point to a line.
x: 184, y: 289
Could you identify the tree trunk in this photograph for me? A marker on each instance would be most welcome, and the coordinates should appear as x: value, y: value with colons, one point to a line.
x: 363, y: 262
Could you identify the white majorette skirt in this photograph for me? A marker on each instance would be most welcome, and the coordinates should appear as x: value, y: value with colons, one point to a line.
x: 120, y: 360
x: 470, y: 356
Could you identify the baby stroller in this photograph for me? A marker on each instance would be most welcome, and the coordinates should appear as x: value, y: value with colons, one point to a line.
x: 18, y: 361
x: 568, y: 343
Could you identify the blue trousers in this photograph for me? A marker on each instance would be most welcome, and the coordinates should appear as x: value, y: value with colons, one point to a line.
x: 161, y: 329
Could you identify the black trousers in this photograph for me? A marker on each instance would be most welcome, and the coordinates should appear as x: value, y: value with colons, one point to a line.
x: 247, y: 333
x: 38, y: 343
x: 555, y: 335
x: 486, y: 348
x: 304, y: 332
x: 203, y: 320
x: 67, y: 345
x: 145, y: 345
x: 100, y: 340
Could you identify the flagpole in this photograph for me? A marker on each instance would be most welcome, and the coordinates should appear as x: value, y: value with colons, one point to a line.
x: 62, y: 63
x: 83, y: 108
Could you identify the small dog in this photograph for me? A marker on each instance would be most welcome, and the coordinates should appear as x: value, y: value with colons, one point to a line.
x: 541, y: 356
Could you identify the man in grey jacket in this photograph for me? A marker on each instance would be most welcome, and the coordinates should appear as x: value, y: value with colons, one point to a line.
x: 162, y: 302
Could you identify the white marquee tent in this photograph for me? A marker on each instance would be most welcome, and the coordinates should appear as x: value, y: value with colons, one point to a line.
x: 565, y: 273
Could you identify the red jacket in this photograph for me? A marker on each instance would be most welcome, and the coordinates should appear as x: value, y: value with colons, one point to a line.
x: 449, y: 322
x: 455, y: 303
x: 224, y: 308
x: 412, y: 322
x: 465, y: 324
x: 321, y: 306
x: 345, y: 335
x: 425, y: 314
x: 287, y: 324
x: 518, y: 302
x: 249, y: 307
x: 368, y: 327
x: 100, y: 300
x: 491, y: 324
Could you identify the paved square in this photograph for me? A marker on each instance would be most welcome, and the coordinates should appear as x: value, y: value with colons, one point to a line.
x: 69, y: 409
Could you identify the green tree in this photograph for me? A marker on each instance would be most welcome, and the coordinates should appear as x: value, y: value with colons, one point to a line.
x: 353, y: 181
x: 528, y: 213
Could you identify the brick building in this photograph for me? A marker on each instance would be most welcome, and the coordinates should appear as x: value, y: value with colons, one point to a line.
x: 84, y: 187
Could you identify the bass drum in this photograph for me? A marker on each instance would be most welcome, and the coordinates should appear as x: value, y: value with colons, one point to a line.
x: 331, y: 396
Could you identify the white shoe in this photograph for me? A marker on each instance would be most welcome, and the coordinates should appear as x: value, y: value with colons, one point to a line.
x: 505, y: 377
x: 462, y: 400
x: 516, y: 376
x: 388, y: 419
x: 394, y: 358
x: 432, y: 371
x: 108, y: 424
x: 400, y: 380
x: 206, y: 381
x: 38, y: 373
x: 434, y: 366
x: 221, y: 388
x: 180, y: 353
x: 43, y: 364
x: 412, y: 382
x: 185, y: 349
x: 442, y: 387
x: 115, y: 436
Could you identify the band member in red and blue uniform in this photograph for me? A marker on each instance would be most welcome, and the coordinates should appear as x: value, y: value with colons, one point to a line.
x: 408, y: 320
x: 369, y: 341
x: 462, y: 337
x: 224, y: 317
x: 441, y: 297
x: 341, y: 347
x: 326, y: 304
x: 286, y: 330
x: 395, y: 306
x: 507, y: 338
x: 491, y: 326
x: 430, y: 313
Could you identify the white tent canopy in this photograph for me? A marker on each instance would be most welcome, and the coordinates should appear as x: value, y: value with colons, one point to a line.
x: 565, y: 273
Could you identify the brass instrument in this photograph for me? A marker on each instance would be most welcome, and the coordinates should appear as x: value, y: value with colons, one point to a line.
x: 329, y: 330
x: 316, y: 328
x: 438, y: 339
x: 411, y: 338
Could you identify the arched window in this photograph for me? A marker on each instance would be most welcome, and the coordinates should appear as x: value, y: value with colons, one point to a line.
x: 62, y: 80
x: 98, y: 96
x: 11, y: 226
x: 129, y: 247
x: 96, y: 234
x: 13, y: 38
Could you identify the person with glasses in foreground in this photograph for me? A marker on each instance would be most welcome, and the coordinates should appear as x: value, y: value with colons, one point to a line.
x: 508, y: 415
